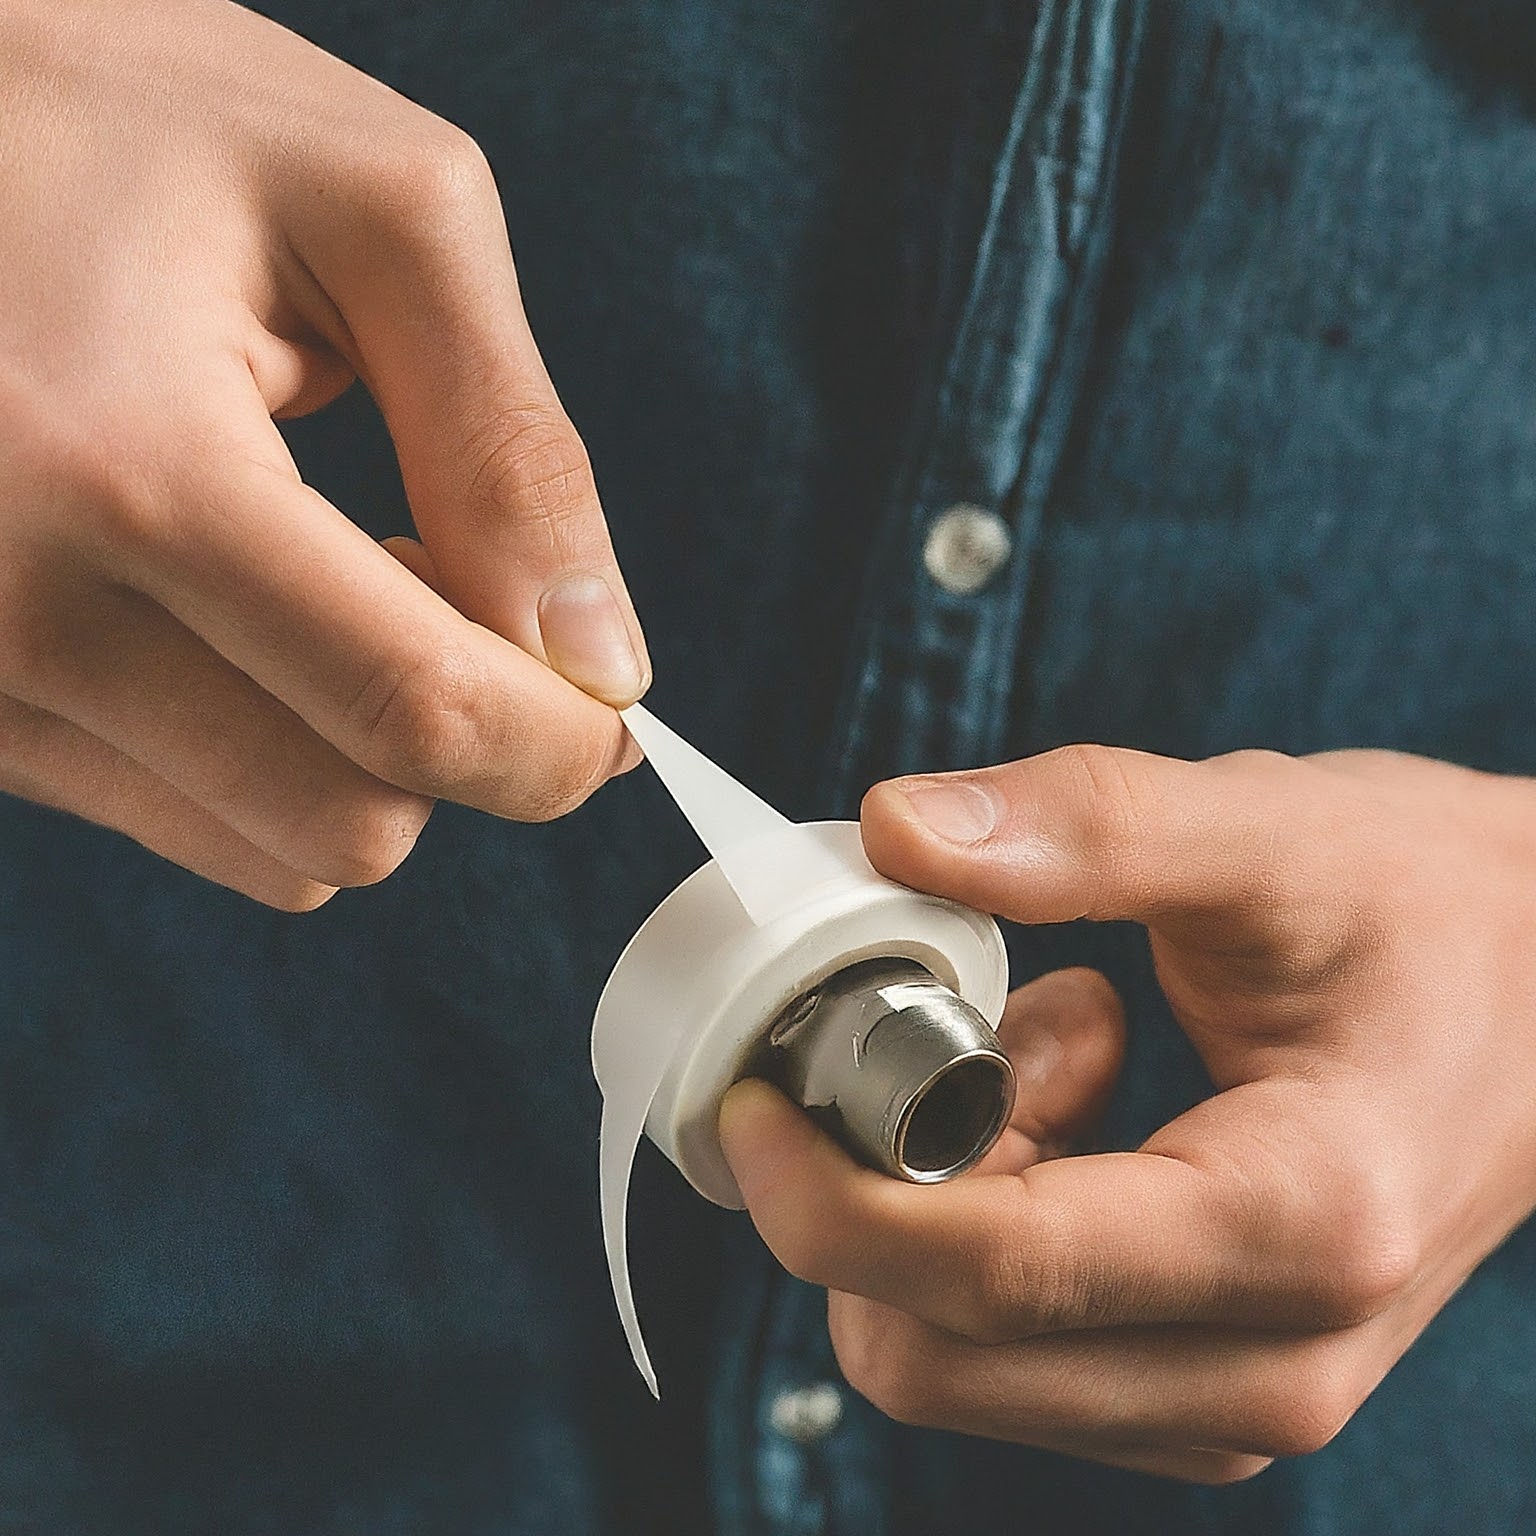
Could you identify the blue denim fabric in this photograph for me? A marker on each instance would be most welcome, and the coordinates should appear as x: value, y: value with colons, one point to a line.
x: 1226, y: 307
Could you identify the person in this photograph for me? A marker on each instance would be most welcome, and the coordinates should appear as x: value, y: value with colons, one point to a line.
x: 1107, y: 429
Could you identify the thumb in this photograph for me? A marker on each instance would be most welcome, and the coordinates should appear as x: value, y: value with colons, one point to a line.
x: 1094, y: 832
x: 777, y: 1153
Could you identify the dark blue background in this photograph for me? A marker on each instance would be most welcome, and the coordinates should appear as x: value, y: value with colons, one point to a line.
x: 297, y: 1215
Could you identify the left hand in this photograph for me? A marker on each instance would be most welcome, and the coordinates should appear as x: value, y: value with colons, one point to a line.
x: 1347, y: 940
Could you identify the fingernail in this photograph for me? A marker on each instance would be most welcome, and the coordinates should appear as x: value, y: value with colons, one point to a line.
x: 587, y: 639
x: 954, y: 810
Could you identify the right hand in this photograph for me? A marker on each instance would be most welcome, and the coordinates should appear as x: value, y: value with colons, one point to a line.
x: 209, y: 224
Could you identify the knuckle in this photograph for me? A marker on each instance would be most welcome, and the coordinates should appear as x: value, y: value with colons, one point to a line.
x: 1092, y: 991
x: 1367, y: 1276
x: 1303, y: 1410
x: 370, y: 839
x: 1102, y: 777
x: 533, y: 458
x: 1112, y: 799
x: 123, y: 496
x: 899, y: 1394
x: 98, y: 465
x: 1336, y: 1232
x: 419, y: 721
x: 1299, y: 1422
x: 430, y: 176
x: 851, y: 1330
x: 881, y: 1367
x: 806, y: 1254
x: 563, y: 783
x: 555, y: 797
x: 1254, y: 762
x: 455, y: 171
x: 1368, y: 1251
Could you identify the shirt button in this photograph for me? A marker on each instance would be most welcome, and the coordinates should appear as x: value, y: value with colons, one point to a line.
x: 807, y: 1414
x: 965, y: 548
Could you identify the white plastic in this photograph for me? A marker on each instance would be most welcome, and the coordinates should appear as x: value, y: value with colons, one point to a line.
x: 780, y: 907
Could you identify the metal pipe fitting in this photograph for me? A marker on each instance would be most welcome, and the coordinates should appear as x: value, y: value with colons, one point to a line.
x: 906, y: 1075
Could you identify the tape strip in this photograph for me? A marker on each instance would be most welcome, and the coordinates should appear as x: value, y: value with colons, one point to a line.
x: 630, y: 1088
x: 736, y: 826
x: 770, y: 863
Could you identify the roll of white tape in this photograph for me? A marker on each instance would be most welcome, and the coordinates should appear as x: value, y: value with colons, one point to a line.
x: 779, y: 908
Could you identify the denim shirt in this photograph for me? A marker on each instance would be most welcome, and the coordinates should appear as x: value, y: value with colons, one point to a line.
x: 1218, y: 315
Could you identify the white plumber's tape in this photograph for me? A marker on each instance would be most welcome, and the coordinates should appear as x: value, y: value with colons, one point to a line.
x: 778, y: 909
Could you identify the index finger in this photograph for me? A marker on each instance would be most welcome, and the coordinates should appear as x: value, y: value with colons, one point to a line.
x: 1083, y: 1242
x: 300, y: 599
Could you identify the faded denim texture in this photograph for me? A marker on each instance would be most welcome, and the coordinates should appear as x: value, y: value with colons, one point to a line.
x: 1227, y: 307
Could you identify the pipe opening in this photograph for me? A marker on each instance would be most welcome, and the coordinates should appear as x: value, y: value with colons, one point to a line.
x: 956, y: 1121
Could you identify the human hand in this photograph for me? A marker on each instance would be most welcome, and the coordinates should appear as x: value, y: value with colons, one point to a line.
x: 1347, y: 941
x: 209, y: 224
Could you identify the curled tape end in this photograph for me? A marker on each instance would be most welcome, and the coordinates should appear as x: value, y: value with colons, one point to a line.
x: 630, y: 1053
x: 619, y: 1143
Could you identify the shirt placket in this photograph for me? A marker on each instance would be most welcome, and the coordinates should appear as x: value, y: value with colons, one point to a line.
x: 932, y: 678
x: 947, y: 592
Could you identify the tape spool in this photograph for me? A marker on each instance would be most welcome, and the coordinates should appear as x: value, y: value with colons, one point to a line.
x: 775, y: 912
